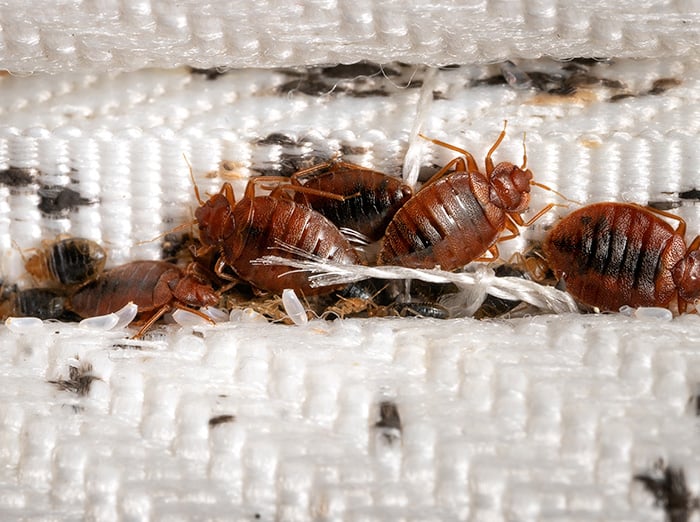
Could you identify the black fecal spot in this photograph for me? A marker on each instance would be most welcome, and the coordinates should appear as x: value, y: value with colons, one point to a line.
x: 694, y: 401
x: 389, y: 416
x: 359, y: 80
x: 612, y: 84
x: 551, y: 83
x: 17, y: 176
x: 496, y: 79
x: 311, y: 86
x: 211, y: 73
x: 127, y: 346
x: 389, y: 421
x: 366, y: 93
x: 277, y: 138
x: 58, y: 200
x: 622, y: 96
x: 350, y: 150
x: 668, y: 486
x: 79, y: 379
x: 661, y: 85
x: 693, y: 194
x: 664, y: 205
x: 589, y: 61
x: 221, y: 419
x: 354, y: 70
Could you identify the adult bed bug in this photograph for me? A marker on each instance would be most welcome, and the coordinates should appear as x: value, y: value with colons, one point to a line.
x: 460, y: 213
x: 371, y: 197
x: 154, y: 286
x: 259, y: 226
x: 615, y: 254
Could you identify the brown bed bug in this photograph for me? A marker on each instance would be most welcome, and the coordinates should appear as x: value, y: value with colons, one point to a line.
x: 615, y: 254
x: 460, y: 213
x: 371, y: 197
x: 260, y: 226
x: 156, y: 287
x: 67, y: 262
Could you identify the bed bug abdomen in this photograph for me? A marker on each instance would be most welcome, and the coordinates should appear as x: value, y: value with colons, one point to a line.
x: 371, y: 198
x: 68, y: 261
x: 614, y: 254
x: 448, y: 224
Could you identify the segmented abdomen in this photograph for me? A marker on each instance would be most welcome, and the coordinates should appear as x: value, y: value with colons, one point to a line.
x: 614, y: 254
x: 369, y: 212
x: 69, y: 262
x: 271, y: 228
x: 445, y: 224
x: 141, y: 282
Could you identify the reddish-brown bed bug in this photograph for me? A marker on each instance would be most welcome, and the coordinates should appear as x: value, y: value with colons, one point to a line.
x: 260, y: 226
x: 155, y: 287
x: 615, y: 254
x: 371, y: 197
x: 67, y: 262
x: 460, y: 213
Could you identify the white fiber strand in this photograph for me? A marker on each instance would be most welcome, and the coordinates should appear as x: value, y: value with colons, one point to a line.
x: 325, y: 273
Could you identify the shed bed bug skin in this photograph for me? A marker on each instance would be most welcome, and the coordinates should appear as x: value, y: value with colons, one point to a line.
x: 69, y: 261
x: 43, y: 303
x: 371, y: 198
x: 460, y: 213
x: 154, y: 286
x: 259, y: 226
x: 615, y: 254
x: 420, y: 309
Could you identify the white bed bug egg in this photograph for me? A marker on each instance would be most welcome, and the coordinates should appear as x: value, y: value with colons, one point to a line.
x: 246, y: 315
x: 187, y: 318
x: 126, y: 314
x: 23, y: 324
x: 653, y: 312
x: 100, y: 322
x: 292, y: 305
x: 116, y: 320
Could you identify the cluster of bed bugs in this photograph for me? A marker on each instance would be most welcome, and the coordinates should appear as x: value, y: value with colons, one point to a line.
x: 607, y: 254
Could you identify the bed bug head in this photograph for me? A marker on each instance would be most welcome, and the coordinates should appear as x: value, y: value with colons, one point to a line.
x: 215, y: 217
x: 510, y: 184
x: 192, y: 290
x: 686, y: 276
x: 510, y: 187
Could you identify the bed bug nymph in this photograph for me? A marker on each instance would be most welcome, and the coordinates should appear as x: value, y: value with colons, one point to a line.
x: 615, y: 254
x: 460, y: 213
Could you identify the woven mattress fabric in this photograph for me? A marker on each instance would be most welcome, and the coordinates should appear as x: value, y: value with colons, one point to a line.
x: 554, y: 415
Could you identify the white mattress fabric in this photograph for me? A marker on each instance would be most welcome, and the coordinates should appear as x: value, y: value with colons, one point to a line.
x: 131, y: 34
x: 555, y: 416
